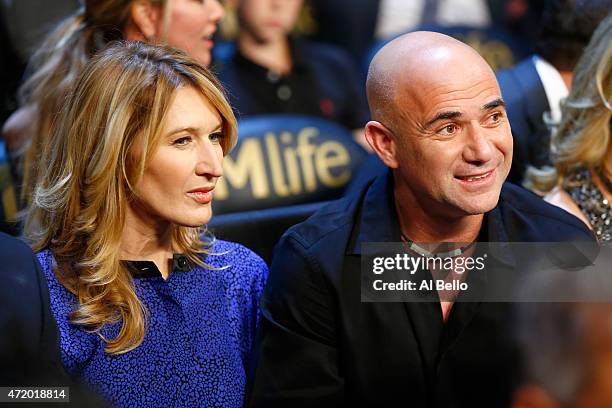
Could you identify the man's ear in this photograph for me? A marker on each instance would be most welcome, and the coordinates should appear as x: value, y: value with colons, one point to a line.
x: 145, y: 20
x: 382, y: 142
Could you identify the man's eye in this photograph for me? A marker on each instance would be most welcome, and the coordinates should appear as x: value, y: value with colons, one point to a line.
x: 449, y: 129
x: 495, y: 117
x: 216, y: 137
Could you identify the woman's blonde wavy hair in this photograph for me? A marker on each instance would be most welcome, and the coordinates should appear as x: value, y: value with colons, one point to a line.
x: 583, y: 137
x: 55, y: 65
x: 87, y: 180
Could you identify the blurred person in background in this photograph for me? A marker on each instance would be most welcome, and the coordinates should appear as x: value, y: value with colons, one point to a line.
x: 357, y: 25
x: 185, y: 24
x: 29, y: 340
x: 21, y: 31
x: 272, y: 72
x: 565, y: 348
x: 26, y: 28
x: 535, y: 87
x: 149, y: 310
x: 581, y: 179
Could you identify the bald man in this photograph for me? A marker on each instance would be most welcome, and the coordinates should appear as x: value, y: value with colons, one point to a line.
x: 440, y: 127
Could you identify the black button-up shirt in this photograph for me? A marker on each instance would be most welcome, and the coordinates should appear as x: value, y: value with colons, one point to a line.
x: 322, y: 346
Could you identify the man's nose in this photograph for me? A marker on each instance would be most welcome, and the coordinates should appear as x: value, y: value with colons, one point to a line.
x: 210, y: 161
x: 478, y: 147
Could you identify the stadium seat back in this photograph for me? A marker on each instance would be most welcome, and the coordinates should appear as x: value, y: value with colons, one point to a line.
x: 283, y: 160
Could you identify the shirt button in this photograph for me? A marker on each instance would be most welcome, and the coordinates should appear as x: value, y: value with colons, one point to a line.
x: 272, y: 76
x: 283, y: 92
x: 182, y: 262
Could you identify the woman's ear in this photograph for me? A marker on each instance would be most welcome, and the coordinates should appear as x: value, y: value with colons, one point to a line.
x: 144, y: 23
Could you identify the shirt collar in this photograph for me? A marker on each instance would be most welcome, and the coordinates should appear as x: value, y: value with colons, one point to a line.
x: 553, y: 84
x: 377, y: 217
x: 497, y: 234
x: 148, y: 269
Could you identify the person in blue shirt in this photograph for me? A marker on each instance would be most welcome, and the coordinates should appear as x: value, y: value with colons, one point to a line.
x: 150, y: 310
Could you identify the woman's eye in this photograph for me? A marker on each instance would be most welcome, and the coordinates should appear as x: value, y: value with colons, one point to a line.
x: 182, y: 141
x: 216, y: 137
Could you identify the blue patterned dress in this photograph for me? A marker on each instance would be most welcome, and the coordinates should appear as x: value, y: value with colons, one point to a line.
x: 197, y: 346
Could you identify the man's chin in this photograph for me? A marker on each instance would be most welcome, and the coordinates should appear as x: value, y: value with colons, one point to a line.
x: 475, y: 204
x: 481, y: 207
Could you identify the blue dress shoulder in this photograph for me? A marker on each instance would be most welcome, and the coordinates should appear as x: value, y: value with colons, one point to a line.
x: 201, y: 326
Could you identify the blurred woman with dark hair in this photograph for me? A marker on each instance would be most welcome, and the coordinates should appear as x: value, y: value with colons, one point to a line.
x: 150, y: 311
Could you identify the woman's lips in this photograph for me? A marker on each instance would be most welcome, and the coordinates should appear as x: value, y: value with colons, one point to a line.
x: 201, y: 196
x: 208, y: 43
x: 208, y: 39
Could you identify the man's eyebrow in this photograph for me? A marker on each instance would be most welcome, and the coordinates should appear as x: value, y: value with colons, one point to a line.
x: 494, y: 104
x: 443, y: 116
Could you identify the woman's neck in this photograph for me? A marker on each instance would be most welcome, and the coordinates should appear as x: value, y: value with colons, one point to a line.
x: 274, y: 55
x: 144, y: 238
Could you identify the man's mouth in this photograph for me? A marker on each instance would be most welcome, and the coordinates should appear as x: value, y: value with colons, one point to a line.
x: 472, y: 178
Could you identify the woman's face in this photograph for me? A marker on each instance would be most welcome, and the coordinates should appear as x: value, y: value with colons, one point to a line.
x: 178, y: 182
x: 191, y: 26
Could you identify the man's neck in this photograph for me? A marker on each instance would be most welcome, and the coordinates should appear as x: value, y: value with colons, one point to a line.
x: 420, y: 225
x: 425, y: 226
x: 274, y: 55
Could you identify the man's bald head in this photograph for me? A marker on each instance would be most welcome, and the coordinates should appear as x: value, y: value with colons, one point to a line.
x: 439, y: 122
x: 411, y: 60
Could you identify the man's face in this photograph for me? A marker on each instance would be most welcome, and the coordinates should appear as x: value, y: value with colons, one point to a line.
x: 453, y: 141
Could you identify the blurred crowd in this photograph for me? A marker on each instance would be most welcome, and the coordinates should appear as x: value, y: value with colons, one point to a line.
x: 306, y: 58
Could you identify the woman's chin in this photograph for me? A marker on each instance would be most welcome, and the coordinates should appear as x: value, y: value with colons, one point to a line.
x: 194, y: 221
